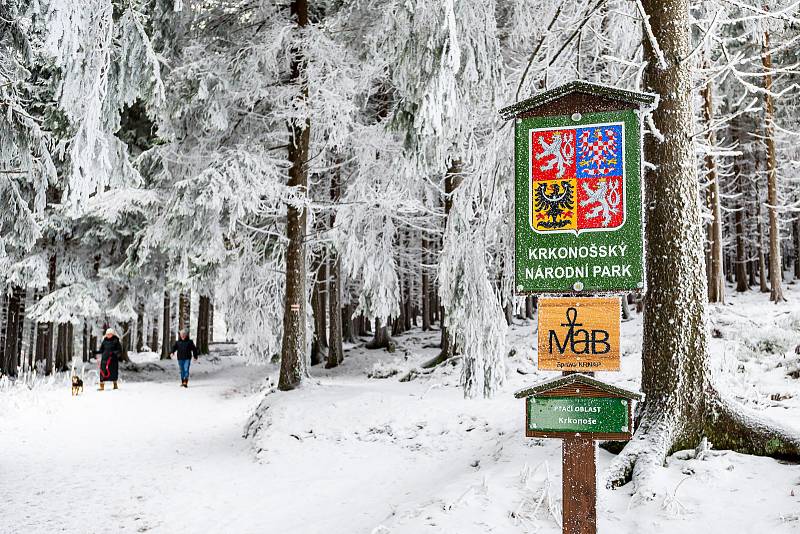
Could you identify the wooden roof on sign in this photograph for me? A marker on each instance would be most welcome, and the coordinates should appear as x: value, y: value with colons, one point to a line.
x: 563, y: 383
x: 593, y: 96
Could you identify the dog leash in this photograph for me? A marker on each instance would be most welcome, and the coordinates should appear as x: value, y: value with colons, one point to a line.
x: 108, y: 364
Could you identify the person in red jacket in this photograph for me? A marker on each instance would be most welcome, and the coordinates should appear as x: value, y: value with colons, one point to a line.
x: 185, y: 349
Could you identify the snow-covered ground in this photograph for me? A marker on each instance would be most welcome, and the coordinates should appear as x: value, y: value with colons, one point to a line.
x: 352, y: 453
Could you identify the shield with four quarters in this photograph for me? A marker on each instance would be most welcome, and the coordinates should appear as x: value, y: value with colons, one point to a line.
x: 577, y: 178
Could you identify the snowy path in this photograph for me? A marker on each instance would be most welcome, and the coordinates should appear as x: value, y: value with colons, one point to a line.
x: 153, y: 457
x: 146, y: 456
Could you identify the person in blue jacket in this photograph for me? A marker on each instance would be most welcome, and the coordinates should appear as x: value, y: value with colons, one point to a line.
x: 185, y: 348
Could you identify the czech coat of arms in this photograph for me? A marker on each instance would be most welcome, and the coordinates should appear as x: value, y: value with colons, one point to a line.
x: 577, y: 178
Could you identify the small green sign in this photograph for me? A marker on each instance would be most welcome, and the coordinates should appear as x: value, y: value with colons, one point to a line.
x: 579, y: 203
x: 578, y: 414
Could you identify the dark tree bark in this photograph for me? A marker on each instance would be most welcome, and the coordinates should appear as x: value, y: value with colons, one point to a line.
x: 293, y: 349
x: 762, y: 263
x: 14, y: 318
x: 740, y: 263
x: 716, y: 276
x: 348, y: 322
x: 46, y: 344
x: 210, y: 320
x: 185, y: 310
x: 681, y: 406
x: 85, y: 342
x: 203, y: 316
x: 166, y: 329
x: 140, y: 341
x: 775, y: 264
x: 62, y: 351
x: 381, y: 338
x: 452, y: 180
x: 626, y: 311
x: 335, y: 349
x: 796, y: 242
x: 408, y: 290
x: 29, y: 358
x: 426, y: 288
x: 153, y: 333
x: 70, y: 342
x: 319, y: 309
x: 125, y: 339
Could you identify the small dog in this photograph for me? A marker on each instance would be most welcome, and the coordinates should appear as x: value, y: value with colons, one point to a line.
x: 77, y: 385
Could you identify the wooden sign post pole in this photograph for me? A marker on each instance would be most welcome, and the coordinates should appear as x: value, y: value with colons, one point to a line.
x: 578, y: 233
x: 578, y: 484
x: 579, y: 489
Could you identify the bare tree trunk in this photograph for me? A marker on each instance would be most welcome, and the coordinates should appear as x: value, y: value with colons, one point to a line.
x: 185, y: 310
x: 426, y: 289
x: 87, y: 347
x: 126, y: 341
x: 62, y: 333
x: 30, y: 355
x: 12, y: 347
x: 319, y: 309
x: 70, y: 342
x: 740, y: 263
x: 348, y: 323
x: 211, y: 319
x: 681, y: 406
x: 46, y: 344
x: 335, y: 349
x: 202, y: 324
x: 796, y: 243
x: 452, y: 180
x: 716, y: 276
x: 140, y: 341
x: 153, y: 333
x: 4, y: 299
x: 775, y: 265
x: 166, y: 328
x: 626, y: 311
x: 408, y: 289
x: 381, y: 339
x: 293, y: 350
x: 762, y: 265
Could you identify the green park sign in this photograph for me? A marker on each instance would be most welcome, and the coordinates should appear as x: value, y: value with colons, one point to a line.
x: 578, y: 414
x: 578, y: 192
x: 576, y: 405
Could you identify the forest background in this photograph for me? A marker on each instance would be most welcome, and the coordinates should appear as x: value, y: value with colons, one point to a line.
x: 166, y: 161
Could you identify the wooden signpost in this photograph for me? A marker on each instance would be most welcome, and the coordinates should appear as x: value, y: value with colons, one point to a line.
x: 579, y: 231
x: 579, y: 410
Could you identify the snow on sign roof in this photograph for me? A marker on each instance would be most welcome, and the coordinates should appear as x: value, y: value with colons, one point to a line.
x: 577, y: 378
x: 632, y: 98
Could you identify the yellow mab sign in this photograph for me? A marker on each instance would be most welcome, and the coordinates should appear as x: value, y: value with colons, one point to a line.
x: 579, y: 334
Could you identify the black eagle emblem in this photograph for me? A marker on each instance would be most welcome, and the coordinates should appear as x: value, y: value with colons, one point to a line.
x: 554, y: 203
